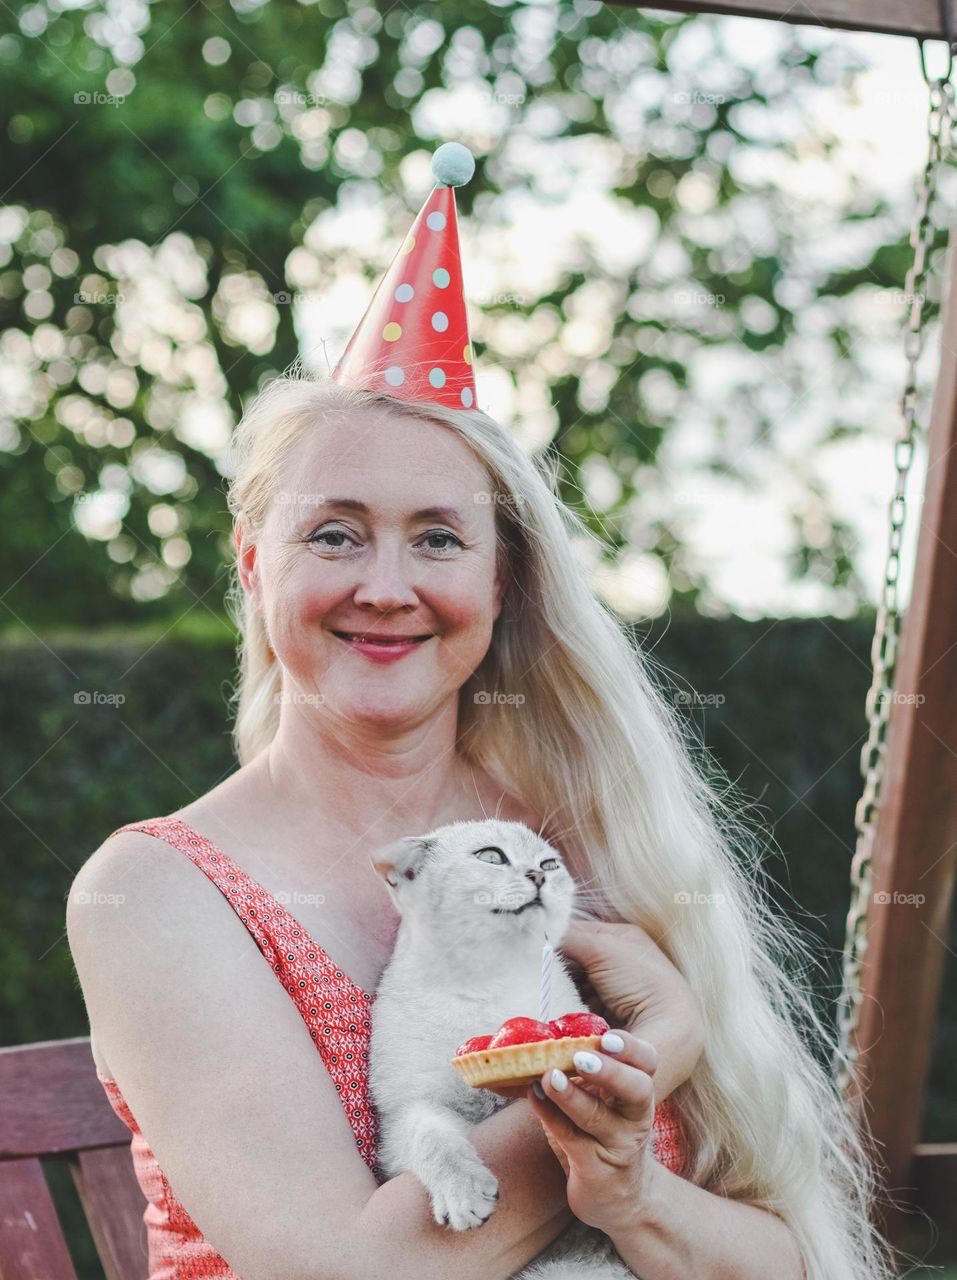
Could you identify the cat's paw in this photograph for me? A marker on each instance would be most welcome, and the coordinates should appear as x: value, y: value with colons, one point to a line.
x: 467, y: 1198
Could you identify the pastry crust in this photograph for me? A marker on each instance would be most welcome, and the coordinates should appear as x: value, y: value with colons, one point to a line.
x: 519, y: 1064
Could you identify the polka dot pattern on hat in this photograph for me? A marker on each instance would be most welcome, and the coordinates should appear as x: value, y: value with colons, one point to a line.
x: 413, y: 339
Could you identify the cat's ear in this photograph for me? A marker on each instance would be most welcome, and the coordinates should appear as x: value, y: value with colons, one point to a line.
x: 403, y: 859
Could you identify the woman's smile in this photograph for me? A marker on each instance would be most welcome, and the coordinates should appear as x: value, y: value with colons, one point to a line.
x: 381, y: 648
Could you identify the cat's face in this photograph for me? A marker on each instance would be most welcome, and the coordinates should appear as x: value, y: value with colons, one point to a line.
x: 485, y: 877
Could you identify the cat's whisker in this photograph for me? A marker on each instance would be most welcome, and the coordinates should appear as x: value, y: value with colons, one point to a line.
x: 583, y: 886
x: 545, y: 821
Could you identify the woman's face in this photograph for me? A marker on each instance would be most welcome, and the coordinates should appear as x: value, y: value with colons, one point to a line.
x: 327, y: 565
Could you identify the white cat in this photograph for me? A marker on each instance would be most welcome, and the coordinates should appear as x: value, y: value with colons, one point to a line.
x: 476, y: 900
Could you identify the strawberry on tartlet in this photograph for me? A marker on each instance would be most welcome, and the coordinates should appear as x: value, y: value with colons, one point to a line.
x: 524, y: 1048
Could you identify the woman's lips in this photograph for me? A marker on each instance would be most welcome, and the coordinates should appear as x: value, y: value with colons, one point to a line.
x: 379, y: 650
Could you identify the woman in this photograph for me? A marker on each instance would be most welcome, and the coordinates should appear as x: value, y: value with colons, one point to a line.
x: 343, y: 750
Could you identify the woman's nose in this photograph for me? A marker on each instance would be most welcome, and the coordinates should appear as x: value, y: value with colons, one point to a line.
x: 384, y: 581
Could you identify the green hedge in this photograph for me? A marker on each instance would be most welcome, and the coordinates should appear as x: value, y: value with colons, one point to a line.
x: 780, y: 710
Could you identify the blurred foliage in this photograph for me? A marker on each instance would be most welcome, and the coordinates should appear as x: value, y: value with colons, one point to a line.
x: 167, y: 167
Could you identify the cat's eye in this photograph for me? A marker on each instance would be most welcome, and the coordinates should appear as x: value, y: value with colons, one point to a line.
x: 499, y: 857
x: 549, y: 864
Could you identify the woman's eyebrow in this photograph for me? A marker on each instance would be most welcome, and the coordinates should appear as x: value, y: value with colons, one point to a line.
x: 425, y: 513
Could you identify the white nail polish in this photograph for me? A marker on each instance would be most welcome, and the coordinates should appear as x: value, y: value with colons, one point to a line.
x: 590, y: 1063
x: 612, y: 1043
x: 559, y: 1080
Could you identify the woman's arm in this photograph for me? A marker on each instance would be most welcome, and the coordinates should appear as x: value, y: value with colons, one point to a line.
x: 404, y: 1242
x: 679, y: 1230
x: 638, y: 988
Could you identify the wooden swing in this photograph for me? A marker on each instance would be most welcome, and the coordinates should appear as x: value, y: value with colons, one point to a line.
x: 902, y: 873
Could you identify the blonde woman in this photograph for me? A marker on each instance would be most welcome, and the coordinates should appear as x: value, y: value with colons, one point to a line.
x: 358, y: 515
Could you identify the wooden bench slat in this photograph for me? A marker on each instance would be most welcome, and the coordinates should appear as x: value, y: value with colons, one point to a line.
x: 114, y: 1205
x: 32, y: 1246
x: 75, y: 1111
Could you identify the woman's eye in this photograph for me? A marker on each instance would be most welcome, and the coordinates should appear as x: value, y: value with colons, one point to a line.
x: 493, y: 855
x: 549, y: 864
x: 440, y: 533
x: 320, y: 536
x: 328, y: 533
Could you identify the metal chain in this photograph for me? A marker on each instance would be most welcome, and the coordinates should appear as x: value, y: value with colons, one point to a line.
x: 941, y: 128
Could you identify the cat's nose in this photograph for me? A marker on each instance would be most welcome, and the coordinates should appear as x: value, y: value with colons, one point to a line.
x: 537, y: 876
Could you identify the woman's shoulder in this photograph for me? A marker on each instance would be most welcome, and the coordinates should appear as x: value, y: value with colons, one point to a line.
x: 116, y: 856
x: 132, y: 900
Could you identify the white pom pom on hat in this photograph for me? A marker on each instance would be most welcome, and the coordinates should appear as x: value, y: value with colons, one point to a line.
x: 453, y: 165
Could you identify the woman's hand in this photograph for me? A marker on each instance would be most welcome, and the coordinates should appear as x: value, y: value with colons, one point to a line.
x: 600, y: 1129
x: 638, y: 987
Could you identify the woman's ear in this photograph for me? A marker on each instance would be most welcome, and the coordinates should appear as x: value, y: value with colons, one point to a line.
x: 403, y: 859
x: 501, y: 583
x: 246, y: 561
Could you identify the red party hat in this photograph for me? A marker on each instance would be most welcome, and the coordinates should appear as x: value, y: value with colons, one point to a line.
x: 413, y: 340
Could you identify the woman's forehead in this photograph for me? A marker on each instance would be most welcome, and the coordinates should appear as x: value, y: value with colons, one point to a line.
x: 385, y: 454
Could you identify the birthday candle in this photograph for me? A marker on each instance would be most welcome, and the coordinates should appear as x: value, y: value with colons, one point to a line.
x: 546, y: 984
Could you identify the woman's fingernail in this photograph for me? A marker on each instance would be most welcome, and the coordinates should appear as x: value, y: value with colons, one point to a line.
x: 590, y: 1063
x: 559, y: 1080
x: 612, y: 1042
x: 538, y: 1091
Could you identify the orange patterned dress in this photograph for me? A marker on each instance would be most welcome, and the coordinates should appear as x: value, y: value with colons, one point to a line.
x: 337, y: 1013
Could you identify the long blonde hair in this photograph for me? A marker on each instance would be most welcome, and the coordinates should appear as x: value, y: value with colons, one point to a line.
x: 600, y: 748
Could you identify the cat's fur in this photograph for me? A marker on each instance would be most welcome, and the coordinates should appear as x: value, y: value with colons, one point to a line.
x: 467, y: 957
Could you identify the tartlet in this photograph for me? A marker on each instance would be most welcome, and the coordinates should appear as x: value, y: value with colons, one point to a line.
x: 523, y: 1049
